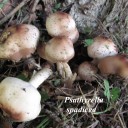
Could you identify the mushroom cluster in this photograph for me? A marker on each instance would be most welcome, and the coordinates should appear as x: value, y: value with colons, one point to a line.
x: 21, y: 41
x: 105, y: 59
x: 18, y: 42
x: 101, y: 50
x: 59, y: 49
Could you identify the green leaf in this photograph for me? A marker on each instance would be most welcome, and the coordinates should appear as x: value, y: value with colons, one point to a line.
x: 56, y: 82
x: 22, y: 77
x: 88, y: 30
x: 107, y: 89
x: 3, y: 3
x: 44, y: 123
x: 126, y: 50
x: 88, y: 42
x: 57, y: 6
x: 106, y: 110
x: 44, y: 96
x: 54, y: 10
x: 115, y: 92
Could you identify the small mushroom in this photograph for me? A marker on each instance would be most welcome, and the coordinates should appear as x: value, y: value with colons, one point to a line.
x: 62, y: 24
x: 117, y: 64
x: 87, y: 71
x: 20, y: 100
x: 108, y: 65
x: 102, y: 47
x: 58, y: 50
x: 18, y: 42
x: 124, y: 72
x: 123, y: 66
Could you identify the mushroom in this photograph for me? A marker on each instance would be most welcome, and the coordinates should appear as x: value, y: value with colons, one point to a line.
x: 124, y: 72
x: 20, y: 100
x: 117, y: 64
x: 73, y: 35
x: 102, y: 47
x: 87, y: 71
x: 108, y: 65
x: 62, y: 24
x: 18, y: 42
x: 58, y: 50
x: 122, y: 62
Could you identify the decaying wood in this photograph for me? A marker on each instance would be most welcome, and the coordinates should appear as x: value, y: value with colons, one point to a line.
x: 113, y: 15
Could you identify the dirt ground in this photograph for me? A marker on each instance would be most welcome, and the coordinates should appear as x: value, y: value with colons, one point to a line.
x: 93, y: 17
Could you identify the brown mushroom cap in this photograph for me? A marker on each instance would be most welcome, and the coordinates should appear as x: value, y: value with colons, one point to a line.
x: 123, y: 69
x: 108, y: 65
x: 101, y: 48
x: 18, y: 42
x: 123, y: 72
x: 58, y: 49
x: 59, y: 24
x: 73, y: 35
x: 117, y: 64
x: 87, y: 71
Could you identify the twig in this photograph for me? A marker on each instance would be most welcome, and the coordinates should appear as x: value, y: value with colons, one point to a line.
x: 53, y: 115
x: 93, y: 125
x: 124, y: 112
x: 13, y: 11
x: 121, y: 122
x: 33, y: 10
x: 88, y: 105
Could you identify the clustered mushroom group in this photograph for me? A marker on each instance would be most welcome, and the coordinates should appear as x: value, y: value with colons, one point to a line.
x: 59, y: 49
x: 106, y: 60
x: 20, y: 100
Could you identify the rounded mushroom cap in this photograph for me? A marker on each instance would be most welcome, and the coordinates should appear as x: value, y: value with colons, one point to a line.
x: 73, y: 35
x: 124, y: 72
x: 19, y: 100
x: 58, y: 49
x: 123, y: 68
x: 108, y: 65
x: 59, y: 23
x: 101, y: 48
x: 18, y: 42
x: 87, y: 71
x: 117, y: 64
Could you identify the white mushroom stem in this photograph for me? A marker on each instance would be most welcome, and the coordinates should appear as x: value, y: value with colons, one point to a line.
x: 64, y: 70
x: 67, y: 70
x: 60, y: 68
x: 40, y: 77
